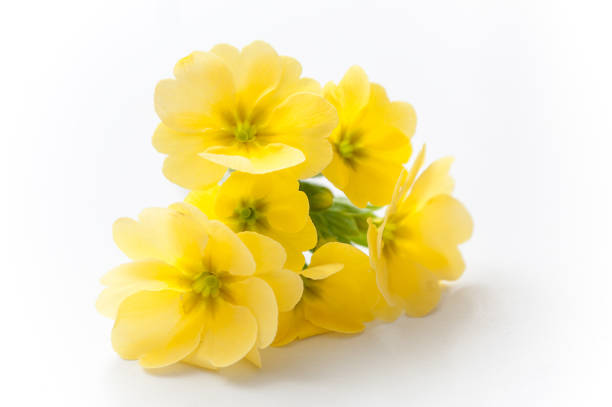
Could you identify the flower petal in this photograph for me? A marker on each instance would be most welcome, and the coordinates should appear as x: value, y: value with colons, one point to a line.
x: 163, y: 234
x: 169, y: 141
x: 204, y: 89
x: 351, y: 94
x: 258, y: 72
x: 412, y: 287
x: 435, y: 180
x: 204, y: 200
x: 296, y: 243
x: 292, y: 326
x: 131, y: 278
x: 145, y: 321
x: 257, y: 296
x: 269, y: 255
x: 254, y: 357
x: 301, y: 115
x: 230, y: 333
x: 226, y: 252
x: 346, y: 299
x: 184, y: 338
x: 259, y: 160
x: 289, y: 211
x: 192, y: 171
x: 287, y: 286
x: 322, y: 271
x: 442, y: 224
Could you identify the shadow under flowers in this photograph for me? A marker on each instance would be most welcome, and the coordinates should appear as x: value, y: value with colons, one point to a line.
x: 415, y: 346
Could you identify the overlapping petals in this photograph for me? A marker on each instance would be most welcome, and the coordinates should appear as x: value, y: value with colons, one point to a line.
x: 195, y: 291
x: 244, y: 110
x: 339, y: 295
x: 219, y: 277
x: 270, y: 204
x: 372, y: 140
x: 416, y: 244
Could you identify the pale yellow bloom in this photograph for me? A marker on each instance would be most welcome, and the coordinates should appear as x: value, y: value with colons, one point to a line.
x: 270, y: 204
x: 196, y: 291
x: 372, y: 140
x: 245, y: 110
x: 340, y: 294
x: 415, y: 246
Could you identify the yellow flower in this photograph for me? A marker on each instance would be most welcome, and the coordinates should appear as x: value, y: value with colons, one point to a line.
x: 195, y: 292
x: 415, y: 246
x: 246, y: 110
x: 340, y: 294
x: 270, y: 204
x: 372, y: 140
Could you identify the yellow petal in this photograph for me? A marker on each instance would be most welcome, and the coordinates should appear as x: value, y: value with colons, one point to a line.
x: 163, y: 234
x: 296, y: 243
x: 196, y: 359
x: 443, y: 223
x: 412, y: 287
x: 204, y: 200
x: 226, y: 252
x: 289, y: 211
x: 169, y: 141
x: 338, y: 172
x: 203, y: 90
x: 254, y: 357
x: 318, y: 153
x: 354, y: 91
x: 131, y: 278
x: 269, y: 255
x: 184, y: 338
x: 290, y: 83
x: 258, y: 72
x: 259, y: 160
x: 230, y: 333
x: 192, y: 212
x: 292, y: 326
x: 146, y: 270
x: 301, y: 115
x: 287, y: 286
x: 403, y: 117
x: 145, y: 321
x: 322, y: 271
x: 388, y: 313
x: 229, y: 54
x: 372, y: 181
x: 435, y: 180
x: 192, y: 171
x: 345, y: 300
x: 256, y: 295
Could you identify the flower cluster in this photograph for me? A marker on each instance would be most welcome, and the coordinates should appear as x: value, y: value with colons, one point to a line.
x: 218, y: 277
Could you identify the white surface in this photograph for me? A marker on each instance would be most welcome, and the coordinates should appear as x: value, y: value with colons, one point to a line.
x: 519, y: 92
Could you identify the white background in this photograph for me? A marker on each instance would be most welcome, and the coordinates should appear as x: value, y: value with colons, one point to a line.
x: 519, y: 92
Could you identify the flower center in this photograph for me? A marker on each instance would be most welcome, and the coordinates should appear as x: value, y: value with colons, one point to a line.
x: 345, y: 148
x: 250, y: 215
x: 246, y: 214
x: 310, y: 287
x: 245, y: 132
x: 207, y: 285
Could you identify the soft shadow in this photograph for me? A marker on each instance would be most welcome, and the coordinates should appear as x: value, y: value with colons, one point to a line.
x: 414, y: 344
x: 377, y: 346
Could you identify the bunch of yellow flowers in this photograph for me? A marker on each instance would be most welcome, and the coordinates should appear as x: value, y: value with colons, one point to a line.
x: 218, y: 277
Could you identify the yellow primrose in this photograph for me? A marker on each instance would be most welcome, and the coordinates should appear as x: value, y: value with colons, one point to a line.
x: 340, y: 294
x: 245, y: 110
x: 372, y: 140
x: 270, y: 204
x: 195, y: 291
x: 415, y: 245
